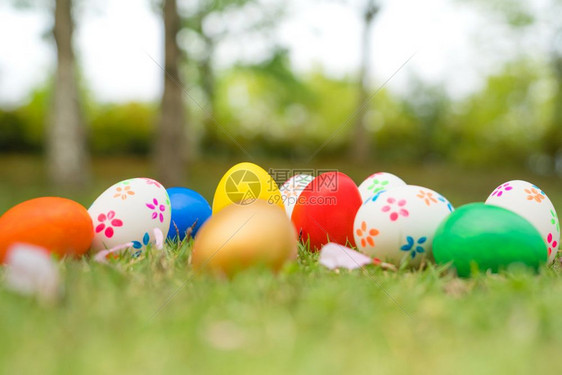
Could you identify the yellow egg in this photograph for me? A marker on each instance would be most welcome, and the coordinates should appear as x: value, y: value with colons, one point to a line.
x: 240, y: 237
x: 243, y: 184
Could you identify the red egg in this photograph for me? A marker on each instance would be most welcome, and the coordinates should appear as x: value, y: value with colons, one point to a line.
x: 60, y: 225
x: 326, y: 210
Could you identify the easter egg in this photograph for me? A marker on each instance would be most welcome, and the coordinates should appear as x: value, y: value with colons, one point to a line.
x: 189, y: 211
x: 241, y: 237
x: 326, y: 209
x: 129, y: 211
x: 59, y: 225
x: 487, y: 237
x: 531, y: 203
x: 398, y: 226
x: 378, y: 182
x: 292, y: 189
x: 243, y: 184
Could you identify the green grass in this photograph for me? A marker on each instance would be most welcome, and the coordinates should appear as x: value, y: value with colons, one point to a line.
x: 153, y: 315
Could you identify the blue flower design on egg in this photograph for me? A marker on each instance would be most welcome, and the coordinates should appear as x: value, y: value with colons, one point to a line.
x: 376, y: 196
x: 414, y: 247
x: 449, y: 205
x: 138, y: 245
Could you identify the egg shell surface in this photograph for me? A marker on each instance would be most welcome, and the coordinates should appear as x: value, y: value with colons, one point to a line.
x: 487, y: 237
x: 326, y: 209
x: 243, y: 184
x: 398, y: 226
x: 292, y: 189
x: 129, y: 211
x: 378, y: 182
x: 189, y: 209
x: 59, y: 225
x: 241, y: 237
x: 531, y: 203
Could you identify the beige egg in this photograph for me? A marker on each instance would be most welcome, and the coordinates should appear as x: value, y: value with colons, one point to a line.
x: 241, y: 237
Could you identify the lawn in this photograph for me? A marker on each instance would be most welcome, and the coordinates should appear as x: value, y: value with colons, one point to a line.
x: 153, y: 315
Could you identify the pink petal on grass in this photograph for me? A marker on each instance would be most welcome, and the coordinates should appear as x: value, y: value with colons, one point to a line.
x: 334, y: 256
x: 158, y: 238
x: 101, y: 257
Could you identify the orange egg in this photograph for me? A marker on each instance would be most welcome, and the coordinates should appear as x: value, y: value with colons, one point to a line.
x: 60, y: 225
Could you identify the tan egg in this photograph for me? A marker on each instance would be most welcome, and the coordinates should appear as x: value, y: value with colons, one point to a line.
x: 241, y: 237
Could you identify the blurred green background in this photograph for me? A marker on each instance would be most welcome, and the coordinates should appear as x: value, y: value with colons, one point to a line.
x: 271, y: 110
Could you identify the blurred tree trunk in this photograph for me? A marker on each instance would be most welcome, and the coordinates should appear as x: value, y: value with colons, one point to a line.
x: 170, y: 150
x: 208, y: 86
x: 360, y: 146
x: 67, y: 159
x: 552, y: 138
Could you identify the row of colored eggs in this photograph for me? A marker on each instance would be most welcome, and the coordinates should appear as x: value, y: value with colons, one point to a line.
x: 389, y: 220
x: 127, y: 212
x: 383, y: 217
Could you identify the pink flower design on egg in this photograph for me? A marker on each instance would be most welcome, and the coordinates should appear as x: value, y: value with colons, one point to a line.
x: 552, y: 244
x: 158, y: 210
x: 396, y: 208
x: 502, y: 189
x: 150, y: 181
x: 107, y: 222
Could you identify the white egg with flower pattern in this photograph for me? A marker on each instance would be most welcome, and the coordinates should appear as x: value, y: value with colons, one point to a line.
x: 292, y: 189
x: 377, y: 183
x: 128, y: 212
x: 530, y: 202
x: 399, y: 225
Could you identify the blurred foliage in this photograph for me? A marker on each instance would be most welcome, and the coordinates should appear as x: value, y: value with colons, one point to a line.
x: 122, y: 128
x: 269, y: 110
x: 504, y: 122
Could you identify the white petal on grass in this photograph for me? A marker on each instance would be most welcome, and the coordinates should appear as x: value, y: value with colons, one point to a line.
x: 30, y: 270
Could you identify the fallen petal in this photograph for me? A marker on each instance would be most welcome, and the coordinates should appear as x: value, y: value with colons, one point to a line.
x: 101, y: 257
x: 333, y: 256
x: 158, y: 238
x: 30, y: 270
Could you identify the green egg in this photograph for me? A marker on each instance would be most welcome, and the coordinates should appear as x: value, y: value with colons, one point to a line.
x: 488, y: 238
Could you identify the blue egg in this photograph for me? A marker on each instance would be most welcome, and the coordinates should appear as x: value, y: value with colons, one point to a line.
x: 189, y: 209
